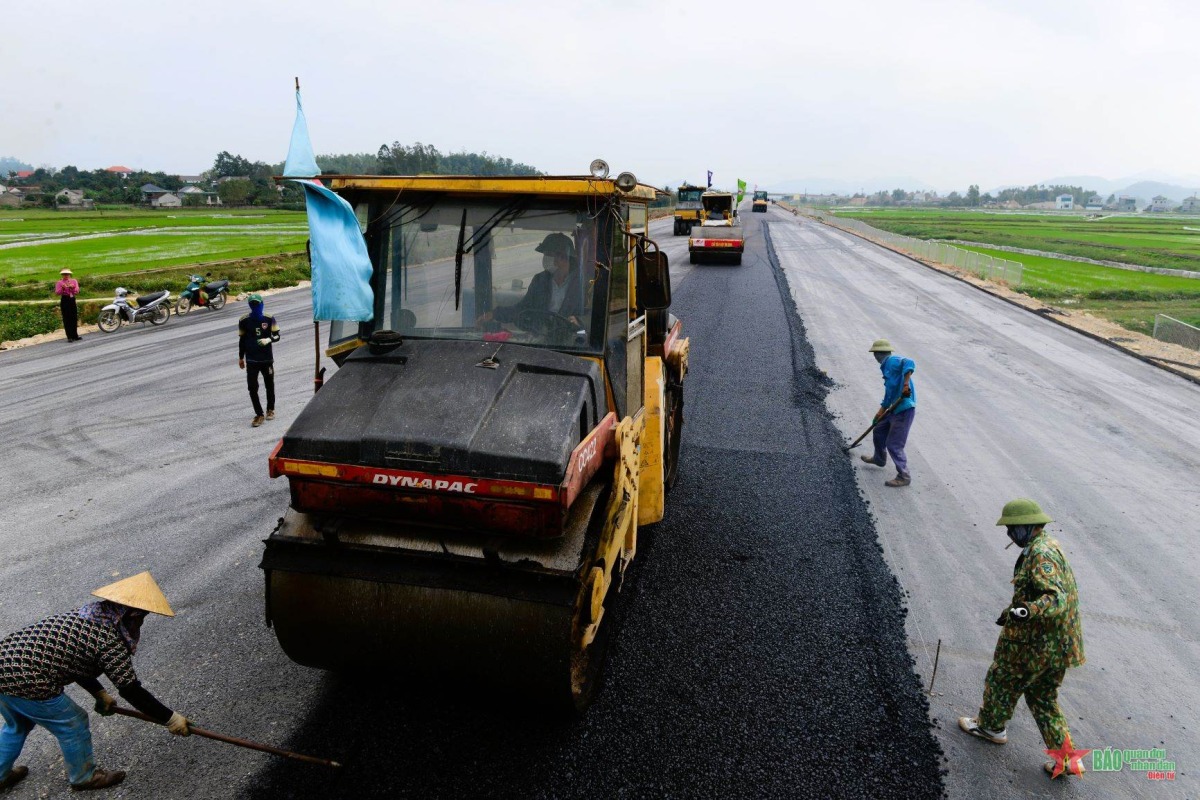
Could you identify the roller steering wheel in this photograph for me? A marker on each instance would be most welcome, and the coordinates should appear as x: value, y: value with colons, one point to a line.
x: 547, y: 323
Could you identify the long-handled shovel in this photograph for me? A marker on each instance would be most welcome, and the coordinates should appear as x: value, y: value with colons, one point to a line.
x: 874, y: 424
x: 220, y: 737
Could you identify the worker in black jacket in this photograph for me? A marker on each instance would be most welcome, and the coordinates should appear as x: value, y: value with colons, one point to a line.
x: 37, y: 662
x: 555, y: 290
x: 256, y: 332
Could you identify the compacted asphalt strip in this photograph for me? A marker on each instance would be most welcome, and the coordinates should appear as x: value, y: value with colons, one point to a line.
x: 1011, y: 405
x: 760, y: 648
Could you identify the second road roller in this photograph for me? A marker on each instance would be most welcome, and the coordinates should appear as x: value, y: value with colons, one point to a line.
x: 468, y: 488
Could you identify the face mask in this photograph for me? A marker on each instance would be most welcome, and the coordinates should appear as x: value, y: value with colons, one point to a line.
x: 1020, y: 534
x: 881, y: 357
x: 548, y: 262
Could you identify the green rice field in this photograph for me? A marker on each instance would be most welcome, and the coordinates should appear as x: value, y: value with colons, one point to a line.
x: 141, y: 250
x: 35, y: 245
x: 1127, y: 297
x: 1149, y: 240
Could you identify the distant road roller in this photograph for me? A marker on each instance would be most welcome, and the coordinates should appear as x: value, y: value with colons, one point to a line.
x: 468, y: 487
x: 759, y: 204
x: 719, y: 236
x: 687, y: 208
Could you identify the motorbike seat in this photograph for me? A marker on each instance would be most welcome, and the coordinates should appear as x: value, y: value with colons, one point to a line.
x: 146, y: 299
x: 216, y: 286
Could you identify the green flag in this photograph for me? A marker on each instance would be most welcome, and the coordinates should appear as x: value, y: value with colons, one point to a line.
x: 741, y: 190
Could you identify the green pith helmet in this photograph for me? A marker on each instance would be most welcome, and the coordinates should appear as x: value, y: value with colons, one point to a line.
x: 1022, y: 511
x: 881, y: 346
x: 254, y: 298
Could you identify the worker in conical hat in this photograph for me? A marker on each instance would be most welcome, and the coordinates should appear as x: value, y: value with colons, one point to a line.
x: 37, y: 662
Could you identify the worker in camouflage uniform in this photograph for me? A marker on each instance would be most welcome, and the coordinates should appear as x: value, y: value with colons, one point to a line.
x: 1041, y: 636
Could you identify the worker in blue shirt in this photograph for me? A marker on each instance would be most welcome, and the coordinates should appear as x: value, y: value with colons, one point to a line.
x: 891, y: 430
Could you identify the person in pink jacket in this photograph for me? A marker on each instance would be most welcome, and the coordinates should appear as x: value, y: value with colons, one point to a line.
x: 66, y: 289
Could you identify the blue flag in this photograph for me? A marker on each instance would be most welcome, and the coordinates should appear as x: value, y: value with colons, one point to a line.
x: 341, y: 268
x: 301, y: 163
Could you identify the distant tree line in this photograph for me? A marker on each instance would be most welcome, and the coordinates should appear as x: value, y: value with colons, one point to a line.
x: 974, y: 198
x: 98, y: 184
x: 240, y: 181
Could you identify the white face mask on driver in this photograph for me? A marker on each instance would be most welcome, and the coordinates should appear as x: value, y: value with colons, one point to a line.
x: 548, y: 262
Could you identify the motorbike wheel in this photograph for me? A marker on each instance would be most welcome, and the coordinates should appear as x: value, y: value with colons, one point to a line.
x: 109, y: 321
x: 161, y: 315
x: 182, y: 306
x: 218, y: 302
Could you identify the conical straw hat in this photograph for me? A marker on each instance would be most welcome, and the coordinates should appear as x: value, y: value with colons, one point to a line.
x: 140, y: 591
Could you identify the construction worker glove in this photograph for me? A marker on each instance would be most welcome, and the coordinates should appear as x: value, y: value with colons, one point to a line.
x: 105, y: 704
x: 178, y: 724
x: 264, y: 342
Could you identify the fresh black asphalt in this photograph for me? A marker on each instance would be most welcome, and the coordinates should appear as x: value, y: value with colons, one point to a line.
x: 760, y: 648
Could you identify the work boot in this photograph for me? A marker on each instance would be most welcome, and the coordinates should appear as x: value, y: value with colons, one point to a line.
x: 257, y: 421
x: 871, y: 460
x: 972, y: 726
x: 270, y: 413
x: 101, y: 779
x: 900, y: 480
x: 14, y: 776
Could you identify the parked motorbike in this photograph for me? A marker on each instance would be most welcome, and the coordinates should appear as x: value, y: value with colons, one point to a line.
x: 206, y: 295
x: 154, y: 308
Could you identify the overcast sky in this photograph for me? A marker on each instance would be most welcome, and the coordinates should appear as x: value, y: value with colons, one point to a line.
x: 950, y: 93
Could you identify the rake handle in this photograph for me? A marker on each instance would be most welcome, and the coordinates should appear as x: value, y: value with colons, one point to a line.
x: 875, y: 423
x: 220, y: 737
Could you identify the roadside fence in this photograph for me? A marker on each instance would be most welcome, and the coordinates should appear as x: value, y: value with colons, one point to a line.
x: 1169, y: 329
x: 1000, y: 270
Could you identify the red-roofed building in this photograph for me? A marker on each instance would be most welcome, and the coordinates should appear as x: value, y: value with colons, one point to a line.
x: 119, y: 170
x: 25, y: 173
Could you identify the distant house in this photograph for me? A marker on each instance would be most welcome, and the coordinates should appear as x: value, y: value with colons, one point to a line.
x: 73, y: 198
x: 190, y: 179
x: 1160, y: 204
x: 11, y: 198
x: 1064, y: 202
x: 1095, y: 203
x: 150, y: 193
x: 1044, y: 205
x: 1191, y: 205
x: 166, y: 200
x: 1126, y: 203
x: 857, y: 201
x: 124, y: 172
x: 25, y: 173
x: 1010, y: 204
x: 210, y: 198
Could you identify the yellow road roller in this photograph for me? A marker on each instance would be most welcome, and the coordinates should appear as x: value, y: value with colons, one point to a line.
x: 468, y: 487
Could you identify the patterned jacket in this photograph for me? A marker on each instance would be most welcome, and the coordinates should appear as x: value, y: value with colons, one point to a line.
x: 1043, y: 581
x: 38, y: 661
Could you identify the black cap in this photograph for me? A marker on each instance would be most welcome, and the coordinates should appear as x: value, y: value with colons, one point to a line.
x: 557, y: 244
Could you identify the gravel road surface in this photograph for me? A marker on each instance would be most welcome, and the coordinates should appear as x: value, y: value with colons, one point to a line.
x: 1011, y: 405
x: 761, y: 649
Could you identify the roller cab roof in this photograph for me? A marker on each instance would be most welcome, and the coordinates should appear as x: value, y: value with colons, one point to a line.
x: 545, y: 185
